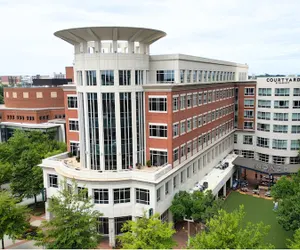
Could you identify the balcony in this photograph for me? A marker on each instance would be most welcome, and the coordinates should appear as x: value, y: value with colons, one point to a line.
x: 70, y: 168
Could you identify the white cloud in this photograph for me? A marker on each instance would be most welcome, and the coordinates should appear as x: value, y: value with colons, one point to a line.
x: 264, y: 34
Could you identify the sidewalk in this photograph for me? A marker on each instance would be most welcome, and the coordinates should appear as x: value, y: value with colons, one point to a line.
x: 25, y: 244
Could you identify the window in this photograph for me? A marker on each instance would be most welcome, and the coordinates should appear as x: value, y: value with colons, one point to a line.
x: 107, y: 77
x: 263, y: 115
x: 188, y: 172
x: 249, y: 103
x: 188, y: 76
x: 248, y: 140
x: 182, y: 176
x: 158, y: 158
x: 158, y: 131
x: 296, y: 129
x: 281, y: 104
x: 142, y: 196
x: 72, y: 102
x: 83, y: 192
x: 264, y: 104
x: 182, y: 151
x: 248, y: 154
x: 296, y: 117
x: 174, y: 182
x: 119, y: 222
x: 73, y: 125
x: 74, y: 147
x: 124, y: 77
x: 175, y: 129
x: 167, y: 187
x: 296, y: 104
x: 248, y: 125
x: 263, y: 157
x: 121, y: 195
x: 79, y: 78
x: 200, y: 75
x: 295, y: 160
x: 39, y: 94
x: 204, y: 97
x: 195, y: 76
x: 100, y: 196
x: 158, y: 194
x: 189, y: 125
x: 53, y: 181
x: 262, y: 142
x: 295, y: 144
x: 158, y: 104
x: 263, y: 127
x: 280, y: 116
x: 195, y: 122
x: 199, y: 121
x: 248, y: 113
x: 175, y: 103
x: 139, y: 77
x: 102, y: 226
x: 165, y: 76
x: 235, y: 138
x: 189, y: 101
x: 264, y: 91
x: 279, y: 144
x: 182, y: 102
x: 189, y: 147
x: 249, y: 91
x: 280, y: 128
x: 296, y: 92
x: 25, y: 95
x: 278, y: 159
x: 195, y: 100
x: 182, y: 127
x: 282, y: 92
x: 199, y: 98
x: 91, y: 78
x: 175, y: 154
x: 182, y: 75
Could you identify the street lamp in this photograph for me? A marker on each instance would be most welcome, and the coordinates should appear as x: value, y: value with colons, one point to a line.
x: 188, y: 221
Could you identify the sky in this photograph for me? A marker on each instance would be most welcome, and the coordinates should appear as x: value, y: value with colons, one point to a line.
x: 265, y: 34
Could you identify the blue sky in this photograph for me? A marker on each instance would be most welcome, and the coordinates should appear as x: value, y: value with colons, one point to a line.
x: 262, y: 33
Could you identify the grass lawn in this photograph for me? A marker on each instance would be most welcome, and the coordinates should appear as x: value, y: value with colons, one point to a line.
x: 258, y: 209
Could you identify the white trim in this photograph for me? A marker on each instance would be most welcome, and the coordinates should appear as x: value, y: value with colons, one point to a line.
x: 157, y: 96
x: 160, y: 124
x: 159, y: 149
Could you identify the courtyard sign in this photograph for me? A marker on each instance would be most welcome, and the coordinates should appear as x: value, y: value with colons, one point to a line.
x: 283, y: 80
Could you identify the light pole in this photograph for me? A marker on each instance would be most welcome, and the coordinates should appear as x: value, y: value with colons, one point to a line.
x: 188, y: 221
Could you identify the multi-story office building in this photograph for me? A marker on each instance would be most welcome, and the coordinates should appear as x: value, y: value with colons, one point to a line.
x: 33, y: 108
x: 128, y: 108
x: 274, y: 140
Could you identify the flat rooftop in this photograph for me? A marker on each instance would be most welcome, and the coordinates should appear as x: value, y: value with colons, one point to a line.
x: 3, y: 107
x: 30, y: 125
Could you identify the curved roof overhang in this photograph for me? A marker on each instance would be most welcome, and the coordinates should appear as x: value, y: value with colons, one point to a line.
x: 133, y: 34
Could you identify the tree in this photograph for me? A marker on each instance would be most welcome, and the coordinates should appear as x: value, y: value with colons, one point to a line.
x: 197, y: 205
x: 24, y: 151
x: 13, y: 219
x: 74, y: 223
x: 295, y: 243
x: 227, y: 230
x: 287, y: 191
x: 5, y: 173
x: 147, y: 233
x: 27, y: 177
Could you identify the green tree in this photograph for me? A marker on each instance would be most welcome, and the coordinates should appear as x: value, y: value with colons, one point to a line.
x: 27, y: 177
x: 5, y: 173
x: 147, y: 233
x: 228, y: 231
x: 295, y: 243
x: 287, y: 191
x: 13, y: 219
x: 197, y: 205
x: 1, y: 94
x: 74, y: 223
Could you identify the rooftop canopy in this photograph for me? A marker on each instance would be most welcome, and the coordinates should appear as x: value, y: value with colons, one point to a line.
x: 132, y: 34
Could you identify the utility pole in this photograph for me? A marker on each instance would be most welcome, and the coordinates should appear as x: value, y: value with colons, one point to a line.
x: 189, y: 232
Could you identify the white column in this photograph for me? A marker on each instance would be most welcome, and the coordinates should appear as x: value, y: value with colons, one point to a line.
x: 170, y: 216
x: 118, y: 131
x: 87, y: 134
x: 134, y: 132
x: 111, y: 228
x: 142, y: 48
x: 115, y: 46
x: 231, y: 180
x: 224, y: 190
x: 130, y: 47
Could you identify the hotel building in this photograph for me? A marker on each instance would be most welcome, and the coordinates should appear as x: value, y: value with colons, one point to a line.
x: 127, y: 108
